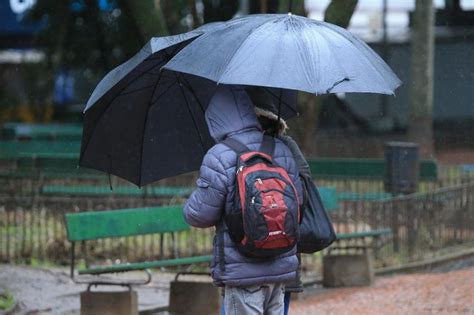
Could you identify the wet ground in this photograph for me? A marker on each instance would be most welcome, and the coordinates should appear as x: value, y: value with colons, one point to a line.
x: 447, y: 290
x: 41, y: 291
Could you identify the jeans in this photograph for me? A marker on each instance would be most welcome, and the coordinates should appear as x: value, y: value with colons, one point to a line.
x: 266, y: 299
x: 287, y: 302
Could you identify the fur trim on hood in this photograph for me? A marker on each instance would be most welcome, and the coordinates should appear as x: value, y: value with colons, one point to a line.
x: 282, y: 128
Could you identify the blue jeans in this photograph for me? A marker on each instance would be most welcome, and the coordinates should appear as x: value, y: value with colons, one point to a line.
x: 287, y: 303
x: 256, y: 299
x: 286, y: 306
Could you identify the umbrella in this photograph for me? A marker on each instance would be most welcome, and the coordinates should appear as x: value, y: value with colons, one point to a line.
x: 143, y: 124
x: 286, y: 51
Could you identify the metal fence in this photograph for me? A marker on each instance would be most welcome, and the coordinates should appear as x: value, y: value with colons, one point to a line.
x: 32, y: 227
x: 422, y: 224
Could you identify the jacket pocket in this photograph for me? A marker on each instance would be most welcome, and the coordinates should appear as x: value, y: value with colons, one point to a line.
x: 253, y: 295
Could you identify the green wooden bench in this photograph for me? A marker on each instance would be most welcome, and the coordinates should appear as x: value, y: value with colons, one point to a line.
x: 41, y: 154
x: 104, y: 190
x: 53, y: 173
x: 19, y: 149
x: 373, y: 239
x: 366, y: 196
x: 334, y: 168
x: 328, y: 194
x: 86, y: 226
x: 49, y: 131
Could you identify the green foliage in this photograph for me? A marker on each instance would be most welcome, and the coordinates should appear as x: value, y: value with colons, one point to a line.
x: 6, y: 300
x: 176, y: 13
x: 220, y: 10
x: 86, y: 38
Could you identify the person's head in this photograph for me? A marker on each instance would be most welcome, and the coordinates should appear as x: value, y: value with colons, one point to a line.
x: 229, y: 110
x: 266, y: 111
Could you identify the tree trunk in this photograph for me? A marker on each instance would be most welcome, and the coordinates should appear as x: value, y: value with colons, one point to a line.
x: 338, y: 12
x: 194, y: 14
x: 148, y: 18
x: 421, y: 92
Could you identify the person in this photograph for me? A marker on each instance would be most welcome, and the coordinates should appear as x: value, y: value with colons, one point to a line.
x: 267, y: 115
x: 251, y: 286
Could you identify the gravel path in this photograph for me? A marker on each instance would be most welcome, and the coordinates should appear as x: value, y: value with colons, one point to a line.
x: 50, y: 291
x: 438, y: 293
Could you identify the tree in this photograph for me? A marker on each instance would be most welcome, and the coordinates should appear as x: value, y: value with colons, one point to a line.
x: 421, y: 89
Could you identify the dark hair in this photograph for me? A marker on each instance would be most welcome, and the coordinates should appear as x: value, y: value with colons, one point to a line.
x: 269, y: 126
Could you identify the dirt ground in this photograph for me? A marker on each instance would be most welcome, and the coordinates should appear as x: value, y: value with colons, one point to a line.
x: 448, y: 290
x: 433, y: 293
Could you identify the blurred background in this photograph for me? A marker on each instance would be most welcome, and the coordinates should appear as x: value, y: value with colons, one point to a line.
x: 53, y: 53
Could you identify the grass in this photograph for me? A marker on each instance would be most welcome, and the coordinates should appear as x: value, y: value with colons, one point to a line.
x: 6, y: 300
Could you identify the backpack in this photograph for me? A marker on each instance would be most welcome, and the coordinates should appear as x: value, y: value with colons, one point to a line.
x: 264, y: 219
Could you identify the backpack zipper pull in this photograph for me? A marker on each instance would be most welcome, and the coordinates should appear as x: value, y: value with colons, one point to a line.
x: 259, y: 180
x: 240, y: 169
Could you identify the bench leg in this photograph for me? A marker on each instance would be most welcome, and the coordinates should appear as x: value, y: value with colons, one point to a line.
x: 197, y: 298
x: 109, y: 303
x: 341, y: 270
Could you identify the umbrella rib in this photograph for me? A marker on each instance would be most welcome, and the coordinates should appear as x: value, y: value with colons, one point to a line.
x: 144, y: 127
x: 354, y: 42
x: 240, y: 46
x: 190, y: 88
x: 190, y: 113
x: 286, y: 104
x: 137, y: 90
x: 335, y: 84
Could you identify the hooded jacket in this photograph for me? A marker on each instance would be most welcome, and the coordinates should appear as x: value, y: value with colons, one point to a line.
x: 230, y: 114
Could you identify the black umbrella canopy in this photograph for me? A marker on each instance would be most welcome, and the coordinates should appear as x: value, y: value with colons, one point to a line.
x: 286, y: 51
x: 144, y: 124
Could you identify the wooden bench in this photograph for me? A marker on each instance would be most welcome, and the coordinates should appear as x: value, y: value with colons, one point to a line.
x: 95, y: 225
x: 40, y: 154
x: 85, y: 226
x: 357, y: 168
x: 365, y: 196
x: 104, y: 190
x: 372, y: 238
x: 47, y: 131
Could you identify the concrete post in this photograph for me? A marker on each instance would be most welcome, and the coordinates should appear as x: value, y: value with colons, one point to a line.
x: 109, y: 303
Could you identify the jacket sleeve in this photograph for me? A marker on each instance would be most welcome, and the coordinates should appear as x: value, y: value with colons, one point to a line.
x: 205, y: 206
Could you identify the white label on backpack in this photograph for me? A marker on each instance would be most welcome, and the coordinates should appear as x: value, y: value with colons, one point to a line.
x: 276, y: 233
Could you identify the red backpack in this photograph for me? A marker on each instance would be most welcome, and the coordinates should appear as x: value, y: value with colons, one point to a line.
x: 264, y: 219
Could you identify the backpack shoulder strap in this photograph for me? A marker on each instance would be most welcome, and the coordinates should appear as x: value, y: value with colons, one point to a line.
x: 237, y: 146
x: 268, y: 145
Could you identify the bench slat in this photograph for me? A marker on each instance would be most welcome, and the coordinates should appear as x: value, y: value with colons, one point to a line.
x: 95, y: 190
x: 124, y: 222
x: 362, y: 167
x: 373, y: 233
x: 146, y: 265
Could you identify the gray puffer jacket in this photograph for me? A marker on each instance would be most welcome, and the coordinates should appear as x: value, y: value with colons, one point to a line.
x: 230, y: 114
